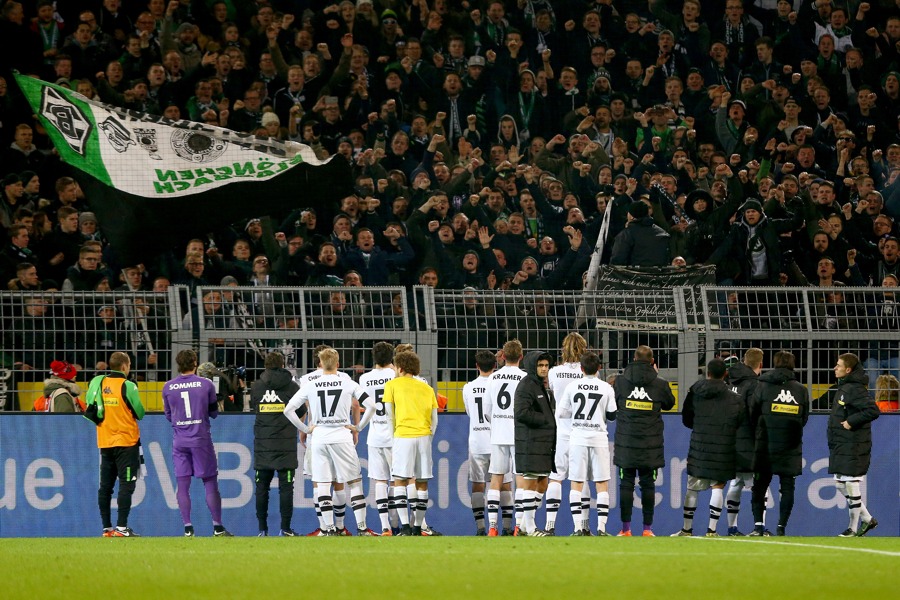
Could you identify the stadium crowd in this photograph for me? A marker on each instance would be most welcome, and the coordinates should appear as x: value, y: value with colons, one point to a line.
x: 491, y: 143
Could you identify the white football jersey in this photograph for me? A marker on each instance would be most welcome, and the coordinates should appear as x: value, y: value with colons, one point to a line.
x: 330, y: 399
x: 500, y: 392
x: 475, y: 399
x: 586, y: 402
x: 381, y: 430
x: 313, y: 375
x: 559, y: 378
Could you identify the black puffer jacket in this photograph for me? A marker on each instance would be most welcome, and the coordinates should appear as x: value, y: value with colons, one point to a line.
x: 641, y: 394
x: 742, y: 381
x: 535, y: 423
x: 714, y: 412
x: 275, y: 438
x: 850, y: 450
x: 779, y: 409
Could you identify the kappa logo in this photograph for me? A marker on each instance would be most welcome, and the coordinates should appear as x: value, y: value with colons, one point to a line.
x: 146, y: 138
x: 270, y: 396
x: 66, y: 118
x: 117, y: 134
x: 785, y: 397
x: 639, y: 393
x: 196, y: 146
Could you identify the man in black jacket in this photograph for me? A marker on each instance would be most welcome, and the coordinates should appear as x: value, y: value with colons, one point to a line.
x: 714, y: 412
x: 641, y: 396
x: 850, y: 439
x: 641, y: 243
x: 755, y: 245
x: 742, y: 377
x: 274, y: 441
x: 779, y: 409
x: 535, y: 435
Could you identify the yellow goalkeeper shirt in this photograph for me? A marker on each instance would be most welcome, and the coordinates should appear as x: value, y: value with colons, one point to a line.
x: 413, y: 402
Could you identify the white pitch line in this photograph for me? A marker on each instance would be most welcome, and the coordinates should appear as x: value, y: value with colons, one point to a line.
x: 841, y: 548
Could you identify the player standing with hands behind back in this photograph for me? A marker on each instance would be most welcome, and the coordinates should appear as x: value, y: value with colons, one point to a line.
x: 190, y: 401
x: 412, y: 408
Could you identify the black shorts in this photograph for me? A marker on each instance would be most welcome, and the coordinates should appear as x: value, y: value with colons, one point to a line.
x: 120, y: 462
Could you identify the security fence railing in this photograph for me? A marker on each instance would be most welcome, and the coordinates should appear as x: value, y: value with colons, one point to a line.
x: 237, y: 326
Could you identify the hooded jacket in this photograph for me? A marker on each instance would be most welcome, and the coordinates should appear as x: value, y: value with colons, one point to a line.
x: 641, y: 244
x: 737, y: 246
x: 641, y: 395
x: 535, y: 422
x: 64, y: 401
x: 275, y: 438
x: 850, y: 450
x: 714, y: 412
x: 743, y: 381
x: 779, y: 410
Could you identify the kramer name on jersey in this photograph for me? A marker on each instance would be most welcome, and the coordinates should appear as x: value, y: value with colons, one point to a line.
x: 271, y: 403
x: 506, y: 376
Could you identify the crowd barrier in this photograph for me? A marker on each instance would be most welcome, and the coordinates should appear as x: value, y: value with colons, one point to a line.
x: 50, y: 474
x: 236, y: 326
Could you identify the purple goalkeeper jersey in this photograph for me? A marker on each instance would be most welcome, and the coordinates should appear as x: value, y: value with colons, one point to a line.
x: 190, y: 402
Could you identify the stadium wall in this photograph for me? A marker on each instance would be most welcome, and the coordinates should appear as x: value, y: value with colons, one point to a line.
x: 50, y: 463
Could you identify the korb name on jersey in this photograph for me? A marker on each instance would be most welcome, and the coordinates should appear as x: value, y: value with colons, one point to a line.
x: 270, y: 402
x: 785, y: 403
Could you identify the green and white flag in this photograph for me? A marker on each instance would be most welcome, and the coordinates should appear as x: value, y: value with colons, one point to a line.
x: 151, y: 180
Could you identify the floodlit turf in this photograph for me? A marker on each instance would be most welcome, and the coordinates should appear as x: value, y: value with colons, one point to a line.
x: 448, y: 567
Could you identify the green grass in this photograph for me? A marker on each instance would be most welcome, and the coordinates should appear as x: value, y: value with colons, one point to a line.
x: 423, y: 568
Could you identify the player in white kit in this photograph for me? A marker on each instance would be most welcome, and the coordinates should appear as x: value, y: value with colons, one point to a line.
x: 590, y: 403
x: 381, y: 433
x: 475, y: 400
x: 340, y: 495
x: 330, y: 400
x: 574, y: 345
x: 500, y: 412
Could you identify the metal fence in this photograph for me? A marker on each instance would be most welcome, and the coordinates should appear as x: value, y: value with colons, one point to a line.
x: 237, y: 326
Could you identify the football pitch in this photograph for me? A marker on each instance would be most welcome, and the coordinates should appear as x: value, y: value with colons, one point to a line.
x: 448, y: 567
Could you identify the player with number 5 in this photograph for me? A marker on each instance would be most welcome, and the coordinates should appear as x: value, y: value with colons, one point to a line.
x: 190, y: 402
